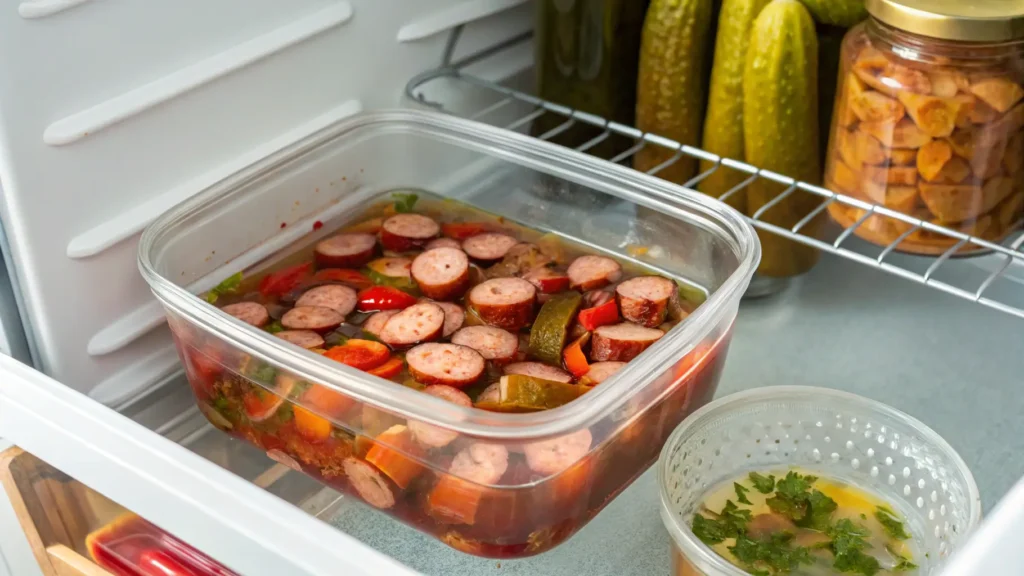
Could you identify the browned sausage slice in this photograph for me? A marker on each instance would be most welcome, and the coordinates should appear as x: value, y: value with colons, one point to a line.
x: 374, y: 324
x: 645, y: 299
x: 538, y: 370
x: 492, y: 343
x: 549, y: 457
x: 316, y: 318
x: 403, y: 232
x: 369, y: 483
x: 480, y: 463
x: 547, y: 280
x: 489, y: 247
x: 504, y: 302
x: 448, y: 364
x: 454, y: 317
x: 490, y: 394
x: 443, y: 243
x: 621, y: 342
x: 337, y: 297
x: 433, y: 436
x: 302, y: 338
x: 601, y: 371
x: 441, y: 273
x: 252, y: 313
x: 592, y: 272
x: 421, y: 322
x: 345, y: 251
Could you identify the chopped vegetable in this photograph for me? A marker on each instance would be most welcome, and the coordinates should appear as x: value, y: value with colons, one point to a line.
x: 229, y: 285
x: 454, y: 500
x: 327, y: 401
x: 892, y: 524
x: 384, y: 298
x: 389, y: 369
x: 550, y: 329
x: 274, y: 327
x: 311, y: 426
x: 575, y: 359
x: 377, y: 272
x: 389, y: 455
x: 741, y: 493
x: 848, y: 543
x: 903, y: 564
x: 607, y: 313
x: 404, y: 203
x: 353, y: 278
x: 763, y: 484
x: 731, y: 522
x: 278, y: 283
x: 462, y: 230
x: 360, y: 354
x: 776, y: 556
x: 520, y: 393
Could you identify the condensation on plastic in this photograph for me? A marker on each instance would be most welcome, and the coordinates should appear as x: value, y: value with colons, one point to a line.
x: 248, y: 220
x: 835, y: 434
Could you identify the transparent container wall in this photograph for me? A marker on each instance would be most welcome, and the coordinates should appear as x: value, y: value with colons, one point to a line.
x: 859, y: 442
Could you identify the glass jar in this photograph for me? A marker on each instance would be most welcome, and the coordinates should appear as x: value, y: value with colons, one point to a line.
x: 929, y: 121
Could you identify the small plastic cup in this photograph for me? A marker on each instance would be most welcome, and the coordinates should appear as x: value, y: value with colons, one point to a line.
x: 838, y: 435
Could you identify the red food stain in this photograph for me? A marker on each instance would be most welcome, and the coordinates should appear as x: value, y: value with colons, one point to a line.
x: 318, y: 225
x: 283, y: 224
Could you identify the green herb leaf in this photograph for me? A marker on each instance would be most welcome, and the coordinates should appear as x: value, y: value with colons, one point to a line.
x: 763, y: 484
x: 903, y: 563
x: 404, y: 202
x: 709, y: 531
x: 228, y: 286
x: 274, y: 327
x: 735, y: 517
x: 848, y: 543
x: 263, y: 373
x: 819, y: 517
x: 857, y: 562
x: 775, y: 556
x: 795, y: 486
x: 741, y: 493
x: 788, y: 508
x: 892, y: 524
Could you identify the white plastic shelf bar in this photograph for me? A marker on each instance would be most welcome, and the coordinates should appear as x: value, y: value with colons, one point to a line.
x: 996, y: 285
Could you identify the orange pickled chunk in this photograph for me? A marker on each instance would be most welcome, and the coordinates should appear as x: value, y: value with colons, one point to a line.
x: 946, y: 83
x: 858, y: 148
x: 872, y: 106
x: 393, y: 452
x: 957, y: 203
x: 901, y: 198
x: 999, y: 93
x: 1013, y: 156
x: 932, y: 158
x: 934, y: 116
x: 894, y: 175
x: 310, y: 426
x: 902, y: 156
x: 903, y: 134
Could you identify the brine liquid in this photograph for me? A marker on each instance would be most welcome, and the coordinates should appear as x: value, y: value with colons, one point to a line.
x: 855, y: 510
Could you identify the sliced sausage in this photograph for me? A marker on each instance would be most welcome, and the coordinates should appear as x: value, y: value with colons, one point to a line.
x: 441, y: 273
x: 621, y: 342
x: 421, y: 322
x: 480, y: 463
x: 492, y: 343
x: 395, y: 267
x: 252, y: 313
x: 595, y: 298
x: 454, y: 317
x: 489, y: 247
x: 538, y: 370
x: 549, y: 457
x: 369, y: 483
x: 490, y: 394
x: 281, y: 457
x: 520, y: 259
x: 448, y: 364
x: 375, y: 323
x: 345, y: 251
x: 302, y: 338
x: 592, y: 272
x: 547, y: 280
x: 403, y: 232
x: 764, y: 526
x: 504, y: 302
x: 337, y: 297
x: 316, y: 318
x: 433, y: 436
x: 443, y: 243
x: 645, y: 299
x: 601, y: 371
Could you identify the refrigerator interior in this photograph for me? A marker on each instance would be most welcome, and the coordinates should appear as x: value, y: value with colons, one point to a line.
x: 127, y: 133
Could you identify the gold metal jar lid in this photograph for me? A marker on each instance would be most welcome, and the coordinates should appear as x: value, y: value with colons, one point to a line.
x: 966, y: 20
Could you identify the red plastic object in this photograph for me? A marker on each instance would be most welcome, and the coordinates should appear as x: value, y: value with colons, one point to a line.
x: 131, y: 546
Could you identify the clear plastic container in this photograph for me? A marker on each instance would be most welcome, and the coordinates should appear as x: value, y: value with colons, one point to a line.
x: 131, y: 546
x: 929, y: 121
x: 261, y: 217
x: 834, y: 434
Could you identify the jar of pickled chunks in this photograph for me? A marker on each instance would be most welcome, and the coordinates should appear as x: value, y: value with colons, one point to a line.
x: 929, y: 121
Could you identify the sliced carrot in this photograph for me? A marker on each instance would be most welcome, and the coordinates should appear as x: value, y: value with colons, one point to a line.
x: 312, y: 427
x: 361, y: 354
x: 575, y: 359
x: 463, y: 230
x: 328, y: 402
x: 694, y: 358
x: 392, y: 453
x: 389, y: 369
x: 454, y: 500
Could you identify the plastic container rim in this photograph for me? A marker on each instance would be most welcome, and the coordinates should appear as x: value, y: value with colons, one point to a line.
x: 692, y: 548
x: 526, y: 151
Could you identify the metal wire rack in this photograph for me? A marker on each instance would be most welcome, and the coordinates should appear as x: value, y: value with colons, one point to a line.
x: 997, y: 284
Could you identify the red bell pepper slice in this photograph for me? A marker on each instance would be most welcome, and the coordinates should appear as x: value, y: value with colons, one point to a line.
x: 575, y: 359
x: 462, y: 230
x: 278, y: 283
x: 360, y: 354
x: 353, y: 278
x: 384, y: 298
x: 593, y: 318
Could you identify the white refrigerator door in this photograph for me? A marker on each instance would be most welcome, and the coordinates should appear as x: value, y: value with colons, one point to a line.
x: 232, y: 520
